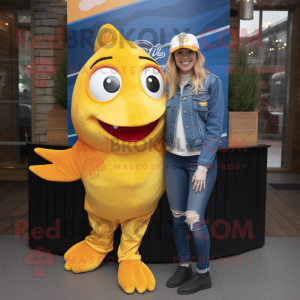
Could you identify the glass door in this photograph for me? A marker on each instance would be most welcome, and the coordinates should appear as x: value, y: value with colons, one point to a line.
x: 268, y: 40
x: 15, y: 87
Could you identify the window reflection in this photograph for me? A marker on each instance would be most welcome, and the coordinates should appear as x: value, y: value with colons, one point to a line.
x: 15, y: 88
x: 270, y: 51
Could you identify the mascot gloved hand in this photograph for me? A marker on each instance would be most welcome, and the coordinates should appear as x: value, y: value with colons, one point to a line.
x: 118, y: 112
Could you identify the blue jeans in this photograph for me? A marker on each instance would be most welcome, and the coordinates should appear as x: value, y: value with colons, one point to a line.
x: 184, y: 203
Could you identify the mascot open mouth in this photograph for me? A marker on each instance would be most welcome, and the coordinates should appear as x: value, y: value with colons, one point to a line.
x: 129, y: 134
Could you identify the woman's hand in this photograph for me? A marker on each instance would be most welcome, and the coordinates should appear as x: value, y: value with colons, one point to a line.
x: 199, y: 178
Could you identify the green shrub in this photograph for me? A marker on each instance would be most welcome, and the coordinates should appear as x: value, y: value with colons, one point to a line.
x: 59, y: 90
x: 243, y: 86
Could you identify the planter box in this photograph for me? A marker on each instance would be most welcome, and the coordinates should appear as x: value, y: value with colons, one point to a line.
x: 57, y: 127
x: 242, y: 129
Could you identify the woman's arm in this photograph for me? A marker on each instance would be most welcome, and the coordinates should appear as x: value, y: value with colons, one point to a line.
x: 214, y: 124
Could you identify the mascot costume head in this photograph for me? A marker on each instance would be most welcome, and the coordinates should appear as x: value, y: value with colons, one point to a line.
x: 118, y: 112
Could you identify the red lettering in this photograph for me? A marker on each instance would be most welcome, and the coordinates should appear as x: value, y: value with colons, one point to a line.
x: 56, y: 38
x: 55, y: 229
x: 237, y: 227
x: 37, y: 230
x: 36, y: 42
x: 21, y: 38
x: 21, y: 230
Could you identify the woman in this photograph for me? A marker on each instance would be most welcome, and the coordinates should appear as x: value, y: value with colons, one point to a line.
x: 194, y: 123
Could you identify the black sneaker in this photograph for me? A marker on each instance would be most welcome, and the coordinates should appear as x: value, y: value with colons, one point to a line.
x: 196, y: 283
x: 181, y: 275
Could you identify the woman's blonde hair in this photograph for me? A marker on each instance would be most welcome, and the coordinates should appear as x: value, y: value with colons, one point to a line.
x: 197, y: 77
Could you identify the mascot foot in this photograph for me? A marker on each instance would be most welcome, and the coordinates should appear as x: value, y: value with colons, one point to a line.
x: 82, y: 258
x: 134, y: 274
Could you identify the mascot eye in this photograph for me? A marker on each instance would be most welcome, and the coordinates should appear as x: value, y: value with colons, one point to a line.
x: 153, y: 82
x: 105, y: 84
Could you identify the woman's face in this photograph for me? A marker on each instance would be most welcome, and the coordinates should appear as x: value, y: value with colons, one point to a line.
x: 185, y: 60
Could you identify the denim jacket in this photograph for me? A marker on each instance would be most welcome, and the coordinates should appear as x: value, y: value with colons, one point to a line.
x: 203, y: 124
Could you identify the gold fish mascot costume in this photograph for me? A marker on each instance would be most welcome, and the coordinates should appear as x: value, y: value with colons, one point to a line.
x: 118, y: 112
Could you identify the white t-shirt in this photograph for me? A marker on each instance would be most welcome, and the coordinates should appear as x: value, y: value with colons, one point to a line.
x: 180, y: 142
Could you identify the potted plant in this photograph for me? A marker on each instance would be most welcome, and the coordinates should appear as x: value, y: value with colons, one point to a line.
x: 57, y: 119
x: 243, y: 98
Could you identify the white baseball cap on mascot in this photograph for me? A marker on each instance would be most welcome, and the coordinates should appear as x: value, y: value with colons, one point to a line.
x: 184, y: 40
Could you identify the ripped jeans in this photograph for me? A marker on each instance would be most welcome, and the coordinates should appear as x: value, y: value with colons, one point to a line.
x: 188, y: 208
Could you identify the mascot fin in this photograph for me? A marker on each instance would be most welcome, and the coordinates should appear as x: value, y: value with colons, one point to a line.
x: 64, y: 166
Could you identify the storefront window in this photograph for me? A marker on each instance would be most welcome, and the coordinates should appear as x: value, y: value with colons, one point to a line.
x: 15, y: 88
x: 268, y: 41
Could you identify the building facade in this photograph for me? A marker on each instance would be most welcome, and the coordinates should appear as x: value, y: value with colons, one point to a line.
x: 33, y: 37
